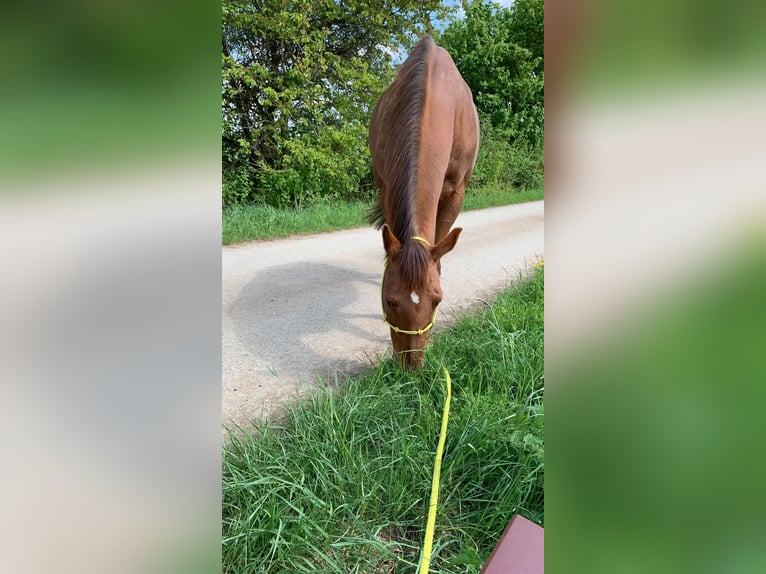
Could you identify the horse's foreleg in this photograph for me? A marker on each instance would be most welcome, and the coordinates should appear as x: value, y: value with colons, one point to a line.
x: 450, y: 202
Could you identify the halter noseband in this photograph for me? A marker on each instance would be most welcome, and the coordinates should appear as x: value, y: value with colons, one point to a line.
x: 406, y: 332
x: 396, y: 329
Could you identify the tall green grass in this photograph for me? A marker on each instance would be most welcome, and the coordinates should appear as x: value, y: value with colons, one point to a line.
x: 342, y: 484
x: 249, y: 222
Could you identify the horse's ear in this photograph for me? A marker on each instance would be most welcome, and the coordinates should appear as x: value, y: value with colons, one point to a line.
x: 390, y: 242
x: 446, y: 245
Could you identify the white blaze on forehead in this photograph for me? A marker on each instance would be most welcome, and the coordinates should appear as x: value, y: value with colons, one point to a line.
x: 415, y: 298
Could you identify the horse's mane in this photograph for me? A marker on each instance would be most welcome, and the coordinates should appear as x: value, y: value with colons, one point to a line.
x: 404, y: 115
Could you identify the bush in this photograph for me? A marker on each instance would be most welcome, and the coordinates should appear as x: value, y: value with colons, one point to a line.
x: 504, y: 165
x: 237, y: 186
x: 336, y: 165
x: 527, y: 166
x: 236, y: 175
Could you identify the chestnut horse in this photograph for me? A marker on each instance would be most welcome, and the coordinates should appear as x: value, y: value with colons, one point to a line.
x: 424, y: 137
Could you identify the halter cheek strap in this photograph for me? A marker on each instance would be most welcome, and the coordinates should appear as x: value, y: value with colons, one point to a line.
x: 425, y: 329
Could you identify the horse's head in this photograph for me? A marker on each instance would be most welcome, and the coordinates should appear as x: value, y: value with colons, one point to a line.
x: 412, y: 291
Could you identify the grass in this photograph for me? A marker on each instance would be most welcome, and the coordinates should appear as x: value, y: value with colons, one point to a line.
x: 249, y: 222
x: 342, y: 483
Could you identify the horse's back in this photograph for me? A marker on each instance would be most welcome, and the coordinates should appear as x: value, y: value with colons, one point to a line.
x: 423, y: 134
x: 447, y: 112
x: 450, y: 118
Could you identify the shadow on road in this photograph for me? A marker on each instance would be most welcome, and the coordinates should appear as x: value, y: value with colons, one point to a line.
x: 308, y: 318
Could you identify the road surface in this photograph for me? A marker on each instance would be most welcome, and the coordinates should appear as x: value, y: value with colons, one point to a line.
x: 300, y: 308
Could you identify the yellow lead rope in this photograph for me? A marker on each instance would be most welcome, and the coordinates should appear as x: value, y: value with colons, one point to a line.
x: 425, y: 561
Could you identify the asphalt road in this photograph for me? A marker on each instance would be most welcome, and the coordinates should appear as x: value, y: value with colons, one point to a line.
x: 300, y: 308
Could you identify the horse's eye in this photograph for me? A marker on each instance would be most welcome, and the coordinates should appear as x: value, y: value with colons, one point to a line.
x: 391, y: 303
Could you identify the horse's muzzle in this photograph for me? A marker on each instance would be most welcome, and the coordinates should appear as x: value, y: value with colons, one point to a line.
x: 411, y: 359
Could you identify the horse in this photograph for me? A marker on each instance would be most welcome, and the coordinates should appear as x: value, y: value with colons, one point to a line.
x: 424, y: 139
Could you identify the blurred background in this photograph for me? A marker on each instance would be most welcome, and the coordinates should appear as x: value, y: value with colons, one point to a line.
x: 110, y: 214
x: 110, y: 287
x: 655, y: 266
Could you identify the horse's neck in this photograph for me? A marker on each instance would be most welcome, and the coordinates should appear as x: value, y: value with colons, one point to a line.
x: 425, y: 216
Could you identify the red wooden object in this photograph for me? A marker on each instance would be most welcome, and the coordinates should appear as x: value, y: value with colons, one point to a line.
x: 519, y: 550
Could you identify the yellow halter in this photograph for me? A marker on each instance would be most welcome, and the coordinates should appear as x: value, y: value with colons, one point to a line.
x: 406, y: 332
x: 433, y: 317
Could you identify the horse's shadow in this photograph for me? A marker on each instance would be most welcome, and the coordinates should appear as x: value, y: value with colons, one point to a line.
x: 282, y: 316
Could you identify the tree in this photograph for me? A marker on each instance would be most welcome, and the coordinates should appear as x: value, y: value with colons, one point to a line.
x: 527, y: 27
x: 499, y: 52
x: 300, y: 78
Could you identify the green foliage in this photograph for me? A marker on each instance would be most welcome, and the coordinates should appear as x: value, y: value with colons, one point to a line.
x: 504, y: 165
x: 333, y: 166
x: 237, y: 184
x: 527, y: 27
x: 300, y: 78
x: 499, y: 52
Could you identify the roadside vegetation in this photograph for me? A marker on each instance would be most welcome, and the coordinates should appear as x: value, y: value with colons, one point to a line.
x: 250, y: 222
x: 342, y: 483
